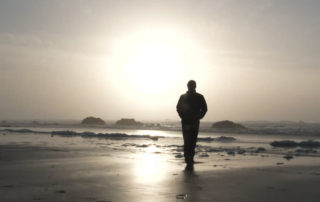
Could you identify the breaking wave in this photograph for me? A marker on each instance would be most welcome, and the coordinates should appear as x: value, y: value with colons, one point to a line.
x: 114, y: 136
x: 69, y: 133
x: 119, y: 136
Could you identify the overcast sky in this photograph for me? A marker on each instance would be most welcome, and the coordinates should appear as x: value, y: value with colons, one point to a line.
x: 252, y: 60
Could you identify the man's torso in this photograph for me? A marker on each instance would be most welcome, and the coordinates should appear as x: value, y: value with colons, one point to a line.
x: 189, y: 107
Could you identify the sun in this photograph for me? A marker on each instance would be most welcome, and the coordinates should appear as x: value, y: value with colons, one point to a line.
x: 153, y: 67
x: 154, y: 61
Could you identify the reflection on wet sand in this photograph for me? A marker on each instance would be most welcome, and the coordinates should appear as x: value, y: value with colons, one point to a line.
x: 149, y: 166
x: 189, y: 186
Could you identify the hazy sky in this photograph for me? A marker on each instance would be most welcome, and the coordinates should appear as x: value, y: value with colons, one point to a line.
x: 252, y: 60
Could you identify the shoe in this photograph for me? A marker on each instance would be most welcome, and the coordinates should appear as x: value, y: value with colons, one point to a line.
x: 189, y: 167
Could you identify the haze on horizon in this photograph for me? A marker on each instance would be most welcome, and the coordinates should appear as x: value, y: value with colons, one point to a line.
x: 252, y: 60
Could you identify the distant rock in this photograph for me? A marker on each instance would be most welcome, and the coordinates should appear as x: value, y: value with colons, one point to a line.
x: 128, y: 122
x: 290, y: 143
x: 217, y: 139
x: 221, y: 125
x: 310, y: 144
x: 260, y: 149
x: 307, y: 151
x: 284, y: 143
x: 288, y: 157
x: 4, y: 123
x: 224, y: 139
x: 93, y: 121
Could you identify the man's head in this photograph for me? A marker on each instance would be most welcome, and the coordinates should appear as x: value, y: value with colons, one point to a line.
x: 192, y: 85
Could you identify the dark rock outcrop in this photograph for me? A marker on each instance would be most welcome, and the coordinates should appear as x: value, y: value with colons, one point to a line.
x: 93, y: 121
x: 290, y: 143
x: 227, y: 125
x: 128, y: 122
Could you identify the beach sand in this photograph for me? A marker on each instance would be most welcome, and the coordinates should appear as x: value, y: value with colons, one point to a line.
x: 47, y: 173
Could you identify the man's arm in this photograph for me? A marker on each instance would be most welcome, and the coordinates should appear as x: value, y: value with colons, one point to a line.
x: 204, y: 108
x: 179, y: 107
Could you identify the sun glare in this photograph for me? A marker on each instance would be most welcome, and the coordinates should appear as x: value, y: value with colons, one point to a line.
x: 153, y: 68
x: 156, y: 61
x: 152, y: 61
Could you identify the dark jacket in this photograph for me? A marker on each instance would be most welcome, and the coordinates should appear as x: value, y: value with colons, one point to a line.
x: 191, y: 107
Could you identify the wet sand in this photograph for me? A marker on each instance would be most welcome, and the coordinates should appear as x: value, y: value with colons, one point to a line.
x: 32, y: 173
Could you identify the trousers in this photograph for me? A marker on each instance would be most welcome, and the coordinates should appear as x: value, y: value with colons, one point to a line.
x: 190, y: 135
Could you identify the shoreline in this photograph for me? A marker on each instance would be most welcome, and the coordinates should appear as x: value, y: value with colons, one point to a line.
x: 30, y: 173
x: 277, y: 131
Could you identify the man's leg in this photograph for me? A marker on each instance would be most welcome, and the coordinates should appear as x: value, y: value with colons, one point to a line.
x: 193, y: 140
x: 187, y: 138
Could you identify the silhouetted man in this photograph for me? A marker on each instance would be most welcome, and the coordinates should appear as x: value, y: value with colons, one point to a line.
x: 191, y: 108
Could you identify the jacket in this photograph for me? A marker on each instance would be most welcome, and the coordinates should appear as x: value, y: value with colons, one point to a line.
x: 191, y: 107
